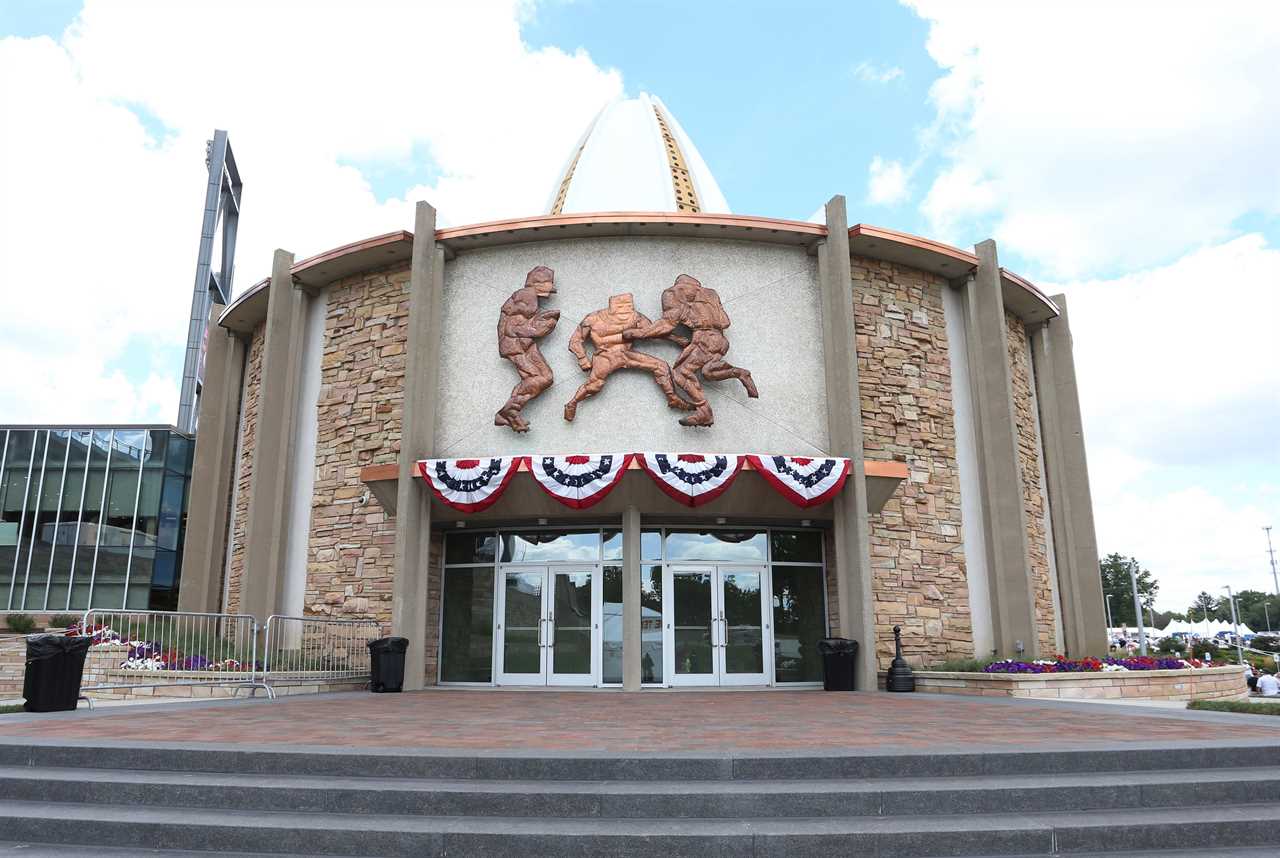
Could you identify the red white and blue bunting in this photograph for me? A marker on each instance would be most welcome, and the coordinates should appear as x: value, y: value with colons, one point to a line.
x: 579, y: 481
x: 469, y: 485
x: 692, y: 478
x: 804, y: 481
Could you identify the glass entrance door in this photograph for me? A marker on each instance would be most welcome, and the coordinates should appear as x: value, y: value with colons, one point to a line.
x: 717, y: 630
x: 548, y: 625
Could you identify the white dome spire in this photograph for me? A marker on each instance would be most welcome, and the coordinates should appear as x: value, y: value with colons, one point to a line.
x: 635, y: 157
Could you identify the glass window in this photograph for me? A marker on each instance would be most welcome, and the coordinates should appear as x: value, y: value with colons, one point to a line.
x: 153, y: 457
x: 718, y: 545
x: 470, y: 548
x: 179, y: 454
x: 799, y: 622
x: 650, y: 546
x: 28, y: 511
x: 796, y: 546
x: 466, y: 634
x: 164, y: 582
x: 611, y: 627
x: 140, y: 571
x: 90, y: 521
x: 550, y: 545
x: 613, y: 545
x: 651, y: 624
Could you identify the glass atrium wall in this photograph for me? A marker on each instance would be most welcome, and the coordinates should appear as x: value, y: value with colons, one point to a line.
x: 92, y: 517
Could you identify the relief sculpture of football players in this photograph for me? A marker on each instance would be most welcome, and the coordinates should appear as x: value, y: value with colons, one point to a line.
x: 605, y: 330
x: 687, y: 302
x: 520, y: 323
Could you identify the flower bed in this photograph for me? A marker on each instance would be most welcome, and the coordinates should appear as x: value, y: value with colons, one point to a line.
x: 1142, y: 681
x: 1095, y: 665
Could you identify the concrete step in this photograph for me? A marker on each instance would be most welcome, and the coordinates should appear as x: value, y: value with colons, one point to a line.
x: 495, y: 837
x: 657, y: 800
x: 416, y: 763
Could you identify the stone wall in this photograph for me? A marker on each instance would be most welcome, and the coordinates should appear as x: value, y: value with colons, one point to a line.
x: 1033, y: 495
x: 905, y: 386
x: 1214, y: 683
x: 435, y: 586
x: 244, y: 469
x: 351, y: 555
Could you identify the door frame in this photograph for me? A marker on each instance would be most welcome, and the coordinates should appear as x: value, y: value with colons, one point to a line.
x: 546, y: 675
x: 718, y: 675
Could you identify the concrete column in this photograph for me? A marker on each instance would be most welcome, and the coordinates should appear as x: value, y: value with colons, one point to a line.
x: 270, y: 487
x: 417, y: 441
x: 212, y: 471
x: 1070, y: 502
x: 1005, y: 524
x: 844, y: 427
x: 632, y: 636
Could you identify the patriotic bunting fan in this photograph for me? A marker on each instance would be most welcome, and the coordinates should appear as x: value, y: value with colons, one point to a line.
x: 689, y: 478
x: 803, y: 481
x: 579, y: 481
x: 469, y: 485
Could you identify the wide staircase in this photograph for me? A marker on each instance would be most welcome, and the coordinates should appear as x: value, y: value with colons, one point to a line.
x: 1200, y: 801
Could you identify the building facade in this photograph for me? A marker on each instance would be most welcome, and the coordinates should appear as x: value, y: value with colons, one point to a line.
x: 855, y: 429
x: 92, y: 516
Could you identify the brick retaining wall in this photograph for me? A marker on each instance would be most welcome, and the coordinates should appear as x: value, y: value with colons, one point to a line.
x: 1214, y: 683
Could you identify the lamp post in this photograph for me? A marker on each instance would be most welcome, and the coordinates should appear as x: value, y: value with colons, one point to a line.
x: 1266, y: 614
x: 1109, y: 625
x: 1235, y: 625
x: 1137, y: 609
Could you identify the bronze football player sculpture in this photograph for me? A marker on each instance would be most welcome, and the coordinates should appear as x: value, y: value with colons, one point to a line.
x: 604, y: 329
x: 687, y: 302
x: 520, y: 323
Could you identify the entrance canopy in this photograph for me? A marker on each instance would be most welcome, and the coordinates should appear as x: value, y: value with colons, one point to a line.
x: 764, y: 486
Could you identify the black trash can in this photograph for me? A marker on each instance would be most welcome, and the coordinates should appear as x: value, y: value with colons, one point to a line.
x: 838, y: 658
x: 55, y: 665
x: 386, y: 664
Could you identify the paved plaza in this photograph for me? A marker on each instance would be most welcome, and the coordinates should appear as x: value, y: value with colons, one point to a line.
x: 653, y: 722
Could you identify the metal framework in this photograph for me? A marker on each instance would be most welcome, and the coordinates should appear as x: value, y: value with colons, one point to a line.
x: 221, y: 209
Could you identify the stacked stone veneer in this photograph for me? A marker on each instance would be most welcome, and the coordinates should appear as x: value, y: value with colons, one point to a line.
x: 1215, y: 683
x: 904, y: 371
x: 351, y: 554
x: 244, y: 469
x: 1033, y: 494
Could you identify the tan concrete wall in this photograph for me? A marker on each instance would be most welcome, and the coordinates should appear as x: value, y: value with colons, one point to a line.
x: 351, y: 555
x: 905, y: 385
x: 244, y: 469
x: 1029, y: 452
x: 1215, y: 683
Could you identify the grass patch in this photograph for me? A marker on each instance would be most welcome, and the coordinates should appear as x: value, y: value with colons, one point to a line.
x: 962, y: 665
x: 10, y: 708
x: 1246, y: 706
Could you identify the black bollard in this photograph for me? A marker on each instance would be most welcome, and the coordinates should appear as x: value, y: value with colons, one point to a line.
x: 900, y: 677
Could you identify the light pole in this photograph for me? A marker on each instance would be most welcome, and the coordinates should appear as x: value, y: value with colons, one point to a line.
x: 1271, y: 552
x: 1109, y: 625
x: 1235, y: 625
x: 1266, y: 614
x: 1137, y: 608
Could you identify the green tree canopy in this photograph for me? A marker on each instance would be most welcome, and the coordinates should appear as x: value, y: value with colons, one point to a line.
x: 1116, y: 571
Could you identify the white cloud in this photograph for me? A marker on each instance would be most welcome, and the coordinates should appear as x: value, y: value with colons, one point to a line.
x: 886, y: 182
x: 99, y: 219
x: 872, y: 73
x: 1103, y: 135
x: 1179, y: 380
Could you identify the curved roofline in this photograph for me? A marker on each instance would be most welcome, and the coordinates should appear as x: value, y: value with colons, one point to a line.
x: 315, y: 272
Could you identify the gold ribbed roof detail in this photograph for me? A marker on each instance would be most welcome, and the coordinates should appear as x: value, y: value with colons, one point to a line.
x: 686, y: 196
x: 558, y: 207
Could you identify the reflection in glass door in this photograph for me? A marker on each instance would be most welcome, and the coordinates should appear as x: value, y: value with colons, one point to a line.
x: 548, y: 625
x: 717, y: 631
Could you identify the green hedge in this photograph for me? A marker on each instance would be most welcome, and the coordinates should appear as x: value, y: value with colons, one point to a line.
x: 1245, y: 706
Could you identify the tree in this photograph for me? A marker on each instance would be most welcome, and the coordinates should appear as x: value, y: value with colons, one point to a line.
x: 1249, y: 606
x: 1204, y: 606
x: 1116, y: 583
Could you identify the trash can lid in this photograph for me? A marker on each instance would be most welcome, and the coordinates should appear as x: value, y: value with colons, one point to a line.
x: 392, y: 645
x: 834, y: 645
x: 47, y: 646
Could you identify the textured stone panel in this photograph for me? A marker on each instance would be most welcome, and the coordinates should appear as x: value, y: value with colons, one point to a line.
x: 244, y: 469
x: 770, y: 292
x: 904, y: 372
x: 1029, y: 448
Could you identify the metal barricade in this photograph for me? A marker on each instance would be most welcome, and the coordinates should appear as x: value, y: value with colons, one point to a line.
x: 316, y: 651
x: 169, y: 649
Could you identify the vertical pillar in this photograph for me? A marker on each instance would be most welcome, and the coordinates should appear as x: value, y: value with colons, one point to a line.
x: 417, y: 441
x: 269, y: 490
x: 844, y: 426
x: 1067, y: 474
x: 1005, y: 520
x: 212, y: 471
x: 632, y: 636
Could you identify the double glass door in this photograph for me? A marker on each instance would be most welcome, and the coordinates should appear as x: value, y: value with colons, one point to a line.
x: 717, y: 628
x: 548, y: 629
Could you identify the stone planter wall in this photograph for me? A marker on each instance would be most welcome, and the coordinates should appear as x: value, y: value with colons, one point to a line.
x: 1214, y: 683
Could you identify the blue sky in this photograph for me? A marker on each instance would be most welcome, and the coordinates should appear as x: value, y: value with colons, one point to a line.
x: 1124, y: 158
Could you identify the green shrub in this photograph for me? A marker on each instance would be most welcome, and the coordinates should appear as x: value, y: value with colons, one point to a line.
x: 962, y: 665
x: 1171, y: 645
x: 21, y: 623
x: 1245, y: 706
x: 63, y: 621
